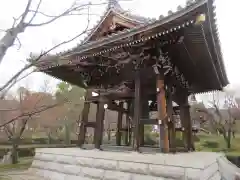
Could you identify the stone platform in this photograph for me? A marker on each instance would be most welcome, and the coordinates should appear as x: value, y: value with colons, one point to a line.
x: 79, y: 164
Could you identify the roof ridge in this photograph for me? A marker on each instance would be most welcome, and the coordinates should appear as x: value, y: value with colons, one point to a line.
x: 114, y: 4
x: 115, y: 7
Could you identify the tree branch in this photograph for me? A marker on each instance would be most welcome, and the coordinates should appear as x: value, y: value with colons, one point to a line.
x: 25, y: 13
x: 41, y: 109
x: 72, y: 8
x: 13, y: 80
x: 12, y: 33
x: 34, y: 15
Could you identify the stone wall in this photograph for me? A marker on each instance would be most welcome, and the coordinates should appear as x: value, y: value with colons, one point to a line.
x: 74, y: 163
x: 227, y: 169
x: 235, y: 160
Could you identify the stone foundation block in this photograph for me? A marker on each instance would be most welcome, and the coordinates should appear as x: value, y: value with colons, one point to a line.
x: 75, y: 163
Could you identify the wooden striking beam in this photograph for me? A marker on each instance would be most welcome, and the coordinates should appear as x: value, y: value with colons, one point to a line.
x: 111, y: 105
x: 119, y: 126
x: 91, y: 124
x: 162, y: 114
x: 148, y: 121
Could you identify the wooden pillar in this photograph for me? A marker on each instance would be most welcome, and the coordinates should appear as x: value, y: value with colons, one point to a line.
x: 84, y: 120
x: 189, y: 132
x: 162, y: 114
x: 186, y: 122
x: 119, y: 126
x: 109, y: 132
x: 128, y: 126
x: 183, y: 123
x: 144, y: 115
x: 136, y: 118
x: 131, y: 118
x: 172, y: 132
x: 99, y: 123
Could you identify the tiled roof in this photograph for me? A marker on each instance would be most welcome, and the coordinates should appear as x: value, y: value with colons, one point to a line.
x: 144, y: 23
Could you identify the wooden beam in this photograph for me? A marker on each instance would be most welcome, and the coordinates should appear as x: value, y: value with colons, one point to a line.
x: 111, y: 105
x: 116, y: 107
x: 124, y: 129
x: 162, y: 114
x: 148, y: 121
x: 119, y: 126
x: 91, y: 124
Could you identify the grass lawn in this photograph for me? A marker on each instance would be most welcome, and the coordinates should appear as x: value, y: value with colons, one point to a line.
x: 37, y: 146
x: 24, y: 163
x: 216, y: 143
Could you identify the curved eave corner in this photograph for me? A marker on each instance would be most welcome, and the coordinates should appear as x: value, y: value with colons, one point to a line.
x: 215, y: 37
x: 80, y: 81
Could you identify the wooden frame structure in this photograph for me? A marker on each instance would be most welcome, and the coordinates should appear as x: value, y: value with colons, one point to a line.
x: 135, y: 65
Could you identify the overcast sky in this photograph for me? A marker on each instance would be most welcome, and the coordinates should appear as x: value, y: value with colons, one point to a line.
x: 40, y: 38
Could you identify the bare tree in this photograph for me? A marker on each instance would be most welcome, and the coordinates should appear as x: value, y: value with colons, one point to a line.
x: 222, y: 119
x: 27, y: 106
x: 28, y: 16
x: 25, y: 20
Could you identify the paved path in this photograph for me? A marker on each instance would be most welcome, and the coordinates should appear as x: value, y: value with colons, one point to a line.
x: 18, y: 175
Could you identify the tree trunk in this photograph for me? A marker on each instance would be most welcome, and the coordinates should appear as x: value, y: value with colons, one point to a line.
x: 49, y: 137
x: 9, y: 38
x: 229, y: 139
x: 14, y: 152
x: 67, y: 134
x: 109, y: 134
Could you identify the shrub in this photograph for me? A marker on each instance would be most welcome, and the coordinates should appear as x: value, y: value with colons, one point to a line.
x: 179, y: 142
x: 149, y: 139
x: 26, y: 152
x: 23, y: 152
x: 211, y: 144
x: 235, y: 160
x: 30, y: 151
x: 196, y: 138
